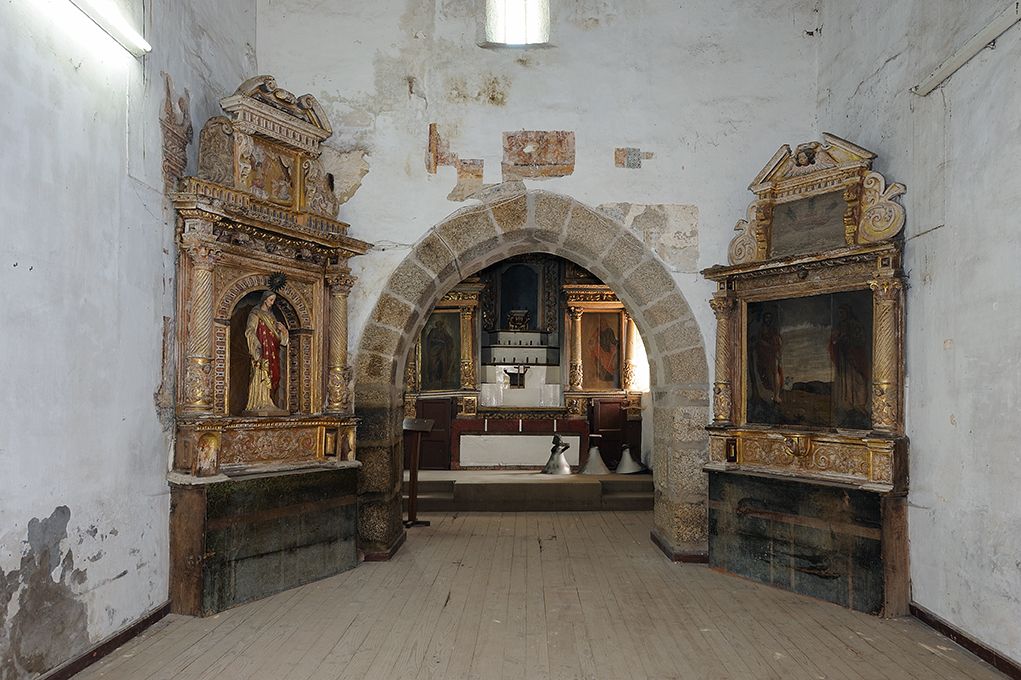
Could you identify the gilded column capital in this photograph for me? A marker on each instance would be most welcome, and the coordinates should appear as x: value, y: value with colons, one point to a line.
x: 204, y: 256
x: 887, y: 289
x: 722, y: 305
x: 340, y: 283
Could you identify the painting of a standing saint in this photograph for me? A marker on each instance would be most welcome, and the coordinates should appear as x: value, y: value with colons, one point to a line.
x: 810, y: 361
x: 441, y: 352
x: 600, y: 338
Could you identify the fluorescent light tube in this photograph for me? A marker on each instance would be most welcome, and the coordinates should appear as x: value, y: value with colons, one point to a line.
x: 105, y: 15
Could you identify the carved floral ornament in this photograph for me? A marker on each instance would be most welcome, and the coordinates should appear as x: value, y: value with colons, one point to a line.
x: 870, y: 215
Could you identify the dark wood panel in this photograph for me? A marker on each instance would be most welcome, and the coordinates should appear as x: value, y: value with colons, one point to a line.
x: 435, y: 451
x: 819, y: 540
x: 608, y: 420
x: 244, y: 538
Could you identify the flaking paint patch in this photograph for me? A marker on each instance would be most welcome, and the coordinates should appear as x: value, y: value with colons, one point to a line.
x: 51, y: 623
x: 348, y: 169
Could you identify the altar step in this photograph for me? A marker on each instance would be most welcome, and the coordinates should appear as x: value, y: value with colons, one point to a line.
x: 527, y: 491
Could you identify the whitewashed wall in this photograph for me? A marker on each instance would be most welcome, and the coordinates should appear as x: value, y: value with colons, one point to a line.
x: 712, y: 89
x: 86, y: 266
x: 958, y: 151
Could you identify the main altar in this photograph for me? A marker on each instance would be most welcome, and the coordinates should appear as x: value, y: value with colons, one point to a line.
x: 264, y: 475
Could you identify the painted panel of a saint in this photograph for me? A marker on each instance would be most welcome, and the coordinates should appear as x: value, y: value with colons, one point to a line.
x: 810, y: 361
x: 440, y: 360
x: 600, y: 350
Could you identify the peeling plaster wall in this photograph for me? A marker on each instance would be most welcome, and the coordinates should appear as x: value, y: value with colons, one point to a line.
x: 957, y: 151
x: 86, y: 266
x: 709, y: 89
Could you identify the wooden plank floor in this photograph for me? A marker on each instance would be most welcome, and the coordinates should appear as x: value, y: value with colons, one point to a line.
x: 534, y: 596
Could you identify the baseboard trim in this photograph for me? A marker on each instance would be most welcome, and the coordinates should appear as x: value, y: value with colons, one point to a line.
x: 108, y: 645
x: 676, y: 555
x: 998, y: 661
x: 385, y: 555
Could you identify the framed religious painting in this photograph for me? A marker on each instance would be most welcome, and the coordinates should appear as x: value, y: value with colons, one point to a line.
x: 809, y: 361
x: 601, y: 334
x: 440, y: 352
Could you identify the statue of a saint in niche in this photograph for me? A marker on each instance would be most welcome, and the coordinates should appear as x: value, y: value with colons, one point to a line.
x: 265, y: 336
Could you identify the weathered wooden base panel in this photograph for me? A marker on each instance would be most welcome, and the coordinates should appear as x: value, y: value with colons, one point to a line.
x: 821, y: 540
x: 241, y: 539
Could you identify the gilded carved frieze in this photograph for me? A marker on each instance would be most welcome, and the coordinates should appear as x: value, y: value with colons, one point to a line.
x: 820, y: 456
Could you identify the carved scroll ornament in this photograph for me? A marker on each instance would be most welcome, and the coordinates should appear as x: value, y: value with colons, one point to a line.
x: 881, y: 218
x: 812, y: 170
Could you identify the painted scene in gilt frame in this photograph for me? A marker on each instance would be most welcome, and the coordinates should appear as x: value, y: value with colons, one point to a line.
x: 440, y: 361
x: 809, y: 361
x: 600, y: 350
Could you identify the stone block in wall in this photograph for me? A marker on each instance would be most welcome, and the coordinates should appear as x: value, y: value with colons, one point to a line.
x: 436, y: 256
x: 650, y: 281
x: 665, y: 311
x: 685, y: 367
x: 380, y: 339
x: 374, y: 368
x: 411, y: 282
x: 511, y: 214
x: 379, y: 524
x: 390, y: 311
x: 682, y: 334
x: 589, y: 233
x: 684, y: 525
x: 376, y: 475
x: 624, y: 255
x: 551, y: 213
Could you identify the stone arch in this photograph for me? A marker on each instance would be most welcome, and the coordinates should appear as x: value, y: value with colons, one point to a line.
x: 536, y: 221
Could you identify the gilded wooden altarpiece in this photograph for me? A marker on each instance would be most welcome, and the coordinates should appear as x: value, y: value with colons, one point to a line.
x: 601, y: 345
x: 456, y: 315
x: 809, y: 371
x: 260, y: 218
x: 864, y: 261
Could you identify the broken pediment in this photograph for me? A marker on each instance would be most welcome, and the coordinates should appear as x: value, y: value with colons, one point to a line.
x: 264, y: 157
x: 818, y: 196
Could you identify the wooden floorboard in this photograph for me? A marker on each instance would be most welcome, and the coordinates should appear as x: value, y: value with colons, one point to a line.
x: 538, y: 596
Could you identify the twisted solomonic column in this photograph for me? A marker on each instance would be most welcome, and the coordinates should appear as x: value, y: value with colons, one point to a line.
x: 723, y: 390
x: 338, y: 373
x: 196, y: 394
x: 575, y: 371
x: 886, y: 313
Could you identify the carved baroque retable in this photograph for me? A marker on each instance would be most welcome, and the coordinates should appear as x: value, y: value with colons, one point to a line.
x: 865, y: 257
x: 261, y: 204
